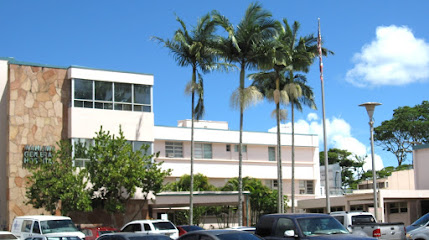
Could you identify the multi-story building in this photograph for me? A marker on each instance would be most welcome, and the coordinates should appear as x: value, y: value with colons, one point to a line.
x: 44, y: 104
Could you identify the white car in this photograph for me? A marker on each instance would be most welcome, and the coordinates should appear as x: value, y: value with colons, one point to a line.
x: 164, y: 227
x: 24, y: 227
x: 7, y: 236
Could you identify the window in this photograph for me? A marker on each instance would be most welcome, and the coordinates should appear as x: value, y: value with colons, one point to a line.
x: 26, y: 225
x: 113, y: 96
x: 398, y: 207
x: 283, y: 224
x: 146, y: 149
x: 36, y: 228
x: 203, y: 150
x: 356, y: 208
x: 146, y: 227
x: 243, y: 148
x: 135, y: 227
x: 174, y: 149
x: 271, y: 154
x: 228, y: 147
x: 306, y: 187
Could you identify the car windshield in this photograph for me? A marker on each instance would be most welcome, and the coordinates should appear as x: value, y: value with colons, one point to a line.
x: 238, y: 236
x: 321, y: 226
x: 421, y: 221
x: 7, y: 237
x: 55, y: 226
x: 163, y: 226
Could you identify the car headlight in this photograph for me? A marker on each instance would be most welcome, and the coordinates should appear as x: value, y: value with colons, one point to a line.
x: 409, y: 236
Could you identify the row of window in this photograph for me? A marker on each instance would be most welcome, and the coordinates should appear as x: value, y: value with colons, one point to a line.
x: 204, y: 150
x: 397, y: 207
x: 80, y: 149
x: 305, y: 186
x: 111, y: 95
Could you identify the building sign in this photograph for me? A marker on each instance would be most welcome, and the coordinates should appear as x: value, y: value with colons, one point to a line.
x: 36, y: 154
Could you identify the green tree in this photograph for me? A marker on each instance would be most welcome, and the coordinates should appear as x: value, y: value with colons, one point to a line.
x: 116, y: 171
x: 243, y: 47
x: 408, y: 127
x: 201, y: 183
x: 195, y: 49
x: 385, y: 172
x: 58, y: 186
x: 263, y: 200
x: 351, y: 166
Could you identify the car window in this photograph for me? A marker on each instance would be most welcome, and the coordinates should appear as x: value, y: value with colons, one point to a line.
x: 87, y: 232
x: 146, y: 227
x: 135, y: 227
x: 36, y: 228
x: 26, y: 225
x: 163, y: 226
x: 7, y: 237
x: 340, y: 219
x: 283, y: 224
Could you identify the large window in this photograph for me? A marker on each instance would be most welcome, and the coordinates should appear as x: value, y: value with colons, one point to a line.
x: 81, y: 146
x: 110, y: 95
x: 398, y: 207
x: 174, y: 149
x: 306, y: 187
x: 271, y: 153
x: 203, y: 150
x: 243, y: 148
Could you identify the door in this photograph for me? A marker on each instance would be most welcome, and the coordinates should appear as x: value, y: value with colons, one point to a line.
x: 26, y: 229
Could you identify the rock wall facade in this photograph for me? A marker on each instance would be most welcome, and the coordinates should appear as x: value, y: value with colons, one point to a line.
x: 38, y: 104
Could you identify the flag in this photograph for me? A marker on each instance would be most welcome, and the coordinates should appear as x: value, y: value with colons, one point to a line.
x: 319, y: 47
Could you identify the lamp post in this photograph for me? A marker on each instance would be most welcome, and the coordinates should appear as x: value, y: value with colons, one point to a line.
x: 370, y: 106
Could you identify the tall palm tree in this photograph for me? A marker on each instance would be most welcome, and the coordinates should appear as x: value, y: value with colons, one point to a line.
x: 242, y: 47
x: 194, y: 48
x: 303, y: 53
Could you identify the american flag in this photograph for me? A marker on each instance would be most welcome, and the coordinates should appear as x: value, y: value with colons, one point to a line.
x: 319, y: 47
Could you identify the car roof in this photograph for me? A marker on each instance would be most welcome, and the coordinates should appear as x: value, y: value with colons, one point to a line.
x: 149, y: 220
x: 43, y: 217
x: 217, y: 232
x: 296, y: 215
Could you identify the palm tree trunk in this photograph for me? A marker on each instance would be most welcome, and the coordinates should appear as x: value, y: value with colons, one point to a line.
x: 240, y: 154
x: 293, y: 156
x: 280, y: 207
x: 191, y: 187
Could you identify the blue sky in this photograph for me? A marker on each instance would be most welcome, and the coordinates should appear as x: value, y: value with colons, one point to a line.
x: 381, y: 55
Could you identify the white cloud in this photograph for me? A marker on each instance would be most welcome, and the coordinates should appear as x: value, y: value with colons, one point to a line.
x: 395, y: 57
x: 338, y: 136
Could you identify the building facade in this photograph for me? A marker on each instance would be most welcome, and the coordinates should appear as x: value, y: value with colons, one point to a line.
x: 44, y: 104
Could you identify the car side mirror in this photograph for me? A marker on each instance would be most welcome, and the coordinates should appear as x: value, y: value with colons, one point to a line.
x: 289, y: 233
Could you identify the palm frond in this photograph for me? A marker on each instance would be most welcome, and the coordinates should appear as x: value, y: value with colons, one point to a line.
x: 245, y: 98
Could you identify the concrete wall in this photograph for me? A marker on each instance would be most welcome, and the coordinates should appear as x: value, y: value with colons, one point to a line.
x: 421, y: 164
x: 4, y: 95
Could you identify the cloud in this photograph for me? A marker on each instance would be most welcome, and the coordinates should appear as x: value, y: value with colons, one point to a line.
x: 338, y: 136
x: 396, y: 57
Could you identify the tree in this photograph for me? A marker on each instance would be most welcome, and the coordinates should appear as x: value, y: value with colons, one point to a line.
x: 116, y: 171
x: 58, y: 186
x: 243, y: 47
x: 201, y: 183
x: 385, y: 172
x: 408, y: 127
x: 263, y: 200
x: 351, y: 166
x: 195, y: 49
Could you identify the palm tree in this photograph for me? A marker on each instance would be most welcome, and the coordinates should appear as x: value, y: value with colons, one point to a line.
x: 242, y: 46
x: 194, y: 48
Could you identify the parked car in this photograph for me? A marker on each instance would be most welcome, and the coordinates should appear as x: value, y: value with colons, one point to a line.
x: 188, y: 228
x: 152, y: 226
x: 44, y: 225
x: 219, y: 234
x: 54, y: 237
x: 421, y: 222
x: 364, y: 224
x: 419, y: 229
x: 95, y: 232
x: 303, y: 226
x: 132, y: 236
x: 4, y: 235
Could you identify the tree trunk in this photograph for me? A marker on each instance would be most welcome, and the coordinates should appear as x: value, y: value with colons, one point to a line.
x: 191, y: 187
x: 280, y: 207
x: 240, y: 145
x: 293, y: 156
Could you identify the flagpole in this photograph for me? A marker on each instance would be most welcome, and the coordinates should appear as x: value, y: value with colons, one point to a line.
x: 319, y: 46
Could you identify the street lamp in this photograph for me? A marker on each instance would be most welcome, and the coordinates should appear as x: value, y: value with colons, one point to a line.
x: 370, y: 106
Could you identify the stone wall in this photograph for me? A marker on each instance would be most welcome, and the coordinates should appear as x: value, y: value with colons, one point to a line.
x: 38, y: 102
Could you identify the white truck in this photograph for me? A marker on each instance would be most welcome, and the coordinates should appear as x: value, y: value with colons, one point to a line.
x: 364, y: 224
